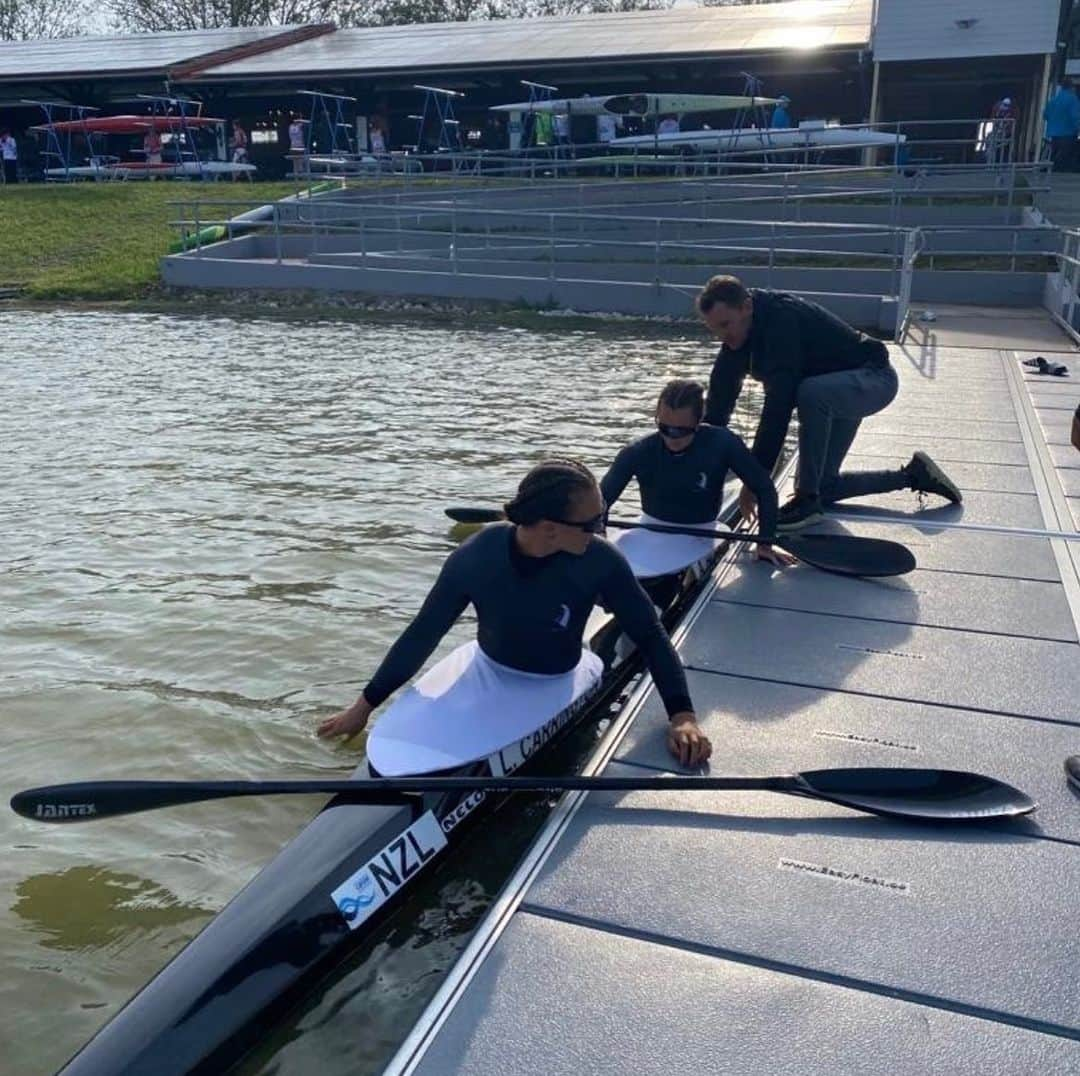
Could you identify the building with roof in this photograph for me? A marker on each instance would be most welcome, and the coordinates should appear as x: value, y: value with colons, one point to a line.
x: 814, y: 50
x: 963, y: 55
x: 845, y: 60
x: 109, y: 70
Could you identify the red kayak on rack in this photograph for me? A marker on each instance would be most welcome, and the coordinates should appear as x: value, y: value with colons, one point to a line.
x: 130, y: 125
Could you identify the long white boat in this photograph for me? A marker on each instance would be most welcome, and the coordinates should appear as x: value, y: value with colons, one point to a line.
x: 639, y: 104
x: 145, y: 170
x: 334, y: 887
x: 812, y: 134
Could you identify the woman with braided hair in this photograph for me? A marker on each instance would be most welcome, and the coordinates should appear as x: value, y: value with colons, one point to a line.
x: 533, y: 582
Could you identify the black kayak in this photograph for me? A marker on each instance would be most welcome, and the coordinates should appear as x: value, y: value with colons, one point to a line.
x: 329, y: 890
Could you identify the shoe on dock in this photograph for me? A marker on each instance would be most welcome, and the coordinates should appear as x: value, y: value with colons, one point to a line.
x: 926, y: 476
x: 798, y: 512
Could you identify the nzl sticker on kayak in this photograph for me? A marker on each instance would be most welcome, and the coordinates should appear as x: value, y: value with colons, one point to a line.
x: 389, y: 870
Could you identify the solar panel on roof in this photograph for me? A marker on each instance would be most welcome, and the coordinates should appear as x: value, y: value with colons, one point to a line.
x: 136, y: 52
x: 585, y: 37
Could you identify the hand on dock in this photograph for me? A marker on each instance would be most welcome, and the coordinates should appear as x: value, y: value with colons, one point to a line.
x: 686, y: 741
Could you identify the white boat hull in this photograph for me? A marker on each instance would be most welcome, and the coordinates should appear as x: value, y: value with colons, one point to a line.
x: 764, y: 139
x: 137, y: 170
x: 638, y: 104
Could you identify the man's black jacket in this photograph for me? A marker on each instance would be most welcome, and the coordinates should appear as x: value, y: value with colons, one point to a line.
x: 790, y: 339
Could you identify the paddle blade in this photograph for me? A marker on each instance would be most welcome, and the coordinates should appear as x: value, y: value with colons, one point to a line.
x: 849, y: 554
x: 475, y: 515
x: 87, y: 801
x: 928, y: 795
x: 90, y: 800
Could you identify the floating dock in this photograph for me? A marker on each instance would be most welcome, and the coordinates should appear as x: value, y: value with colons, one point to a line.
x: 661, y: 933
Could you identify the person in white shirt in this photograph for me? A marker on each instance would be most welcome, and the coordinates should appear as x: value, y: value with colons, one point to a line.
x: 668, y: 125
x: 9, y: 150
x: 297, y: 147
x: 607, y: 127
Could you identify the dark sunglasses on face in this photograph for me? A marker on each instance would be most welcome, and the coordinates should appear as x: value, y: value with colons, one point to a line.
x: 675, y: 432
x: 589, y: 526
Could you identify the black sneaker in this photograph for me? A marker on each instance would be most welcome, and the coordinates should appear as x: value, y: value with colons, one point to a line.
x: 800, y: 511
x: 1072, y: 771
x: 926, y: 476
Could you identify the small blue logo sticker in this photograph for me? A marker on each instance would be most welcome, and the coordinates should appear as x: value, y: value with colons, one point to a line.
x: 364, y: 894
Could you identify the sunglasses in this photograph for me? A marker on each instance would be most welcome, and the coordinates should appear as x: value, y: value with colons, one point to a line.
x: 675, y: 432
x: 589, y: 526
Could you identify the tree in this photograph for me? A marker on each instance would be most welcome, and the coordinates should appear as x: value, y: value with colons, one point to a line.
x: 151, y: 16
x: 403, y: 12
x: 27, y: 20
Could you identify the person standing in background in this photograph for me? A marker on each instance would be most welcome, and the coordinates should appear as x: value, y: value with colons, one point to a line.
x: 377, y: 138
x: 297, y: 146
x: 239, y: 145
x: 9, y: 150
x: 1001, y: 135
x: 607, y: 127
x: 1062, y: 115
x: 151, y: 145
x: 561, y: 126
x: 781, y: 117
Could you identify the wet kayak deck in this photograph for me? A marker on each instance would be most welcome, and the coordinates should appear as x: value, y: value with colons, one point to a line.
x: 749, y: 933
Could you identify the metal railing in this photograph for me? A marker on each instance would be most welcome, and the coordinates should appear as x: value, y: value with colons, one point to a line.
x: 1062, y: 295
x: 905, y: 145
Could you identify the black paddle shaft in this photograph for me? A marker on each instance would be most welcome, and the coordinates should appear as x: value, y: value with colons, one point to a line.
x: 935, y: 795
x: 842, y: 554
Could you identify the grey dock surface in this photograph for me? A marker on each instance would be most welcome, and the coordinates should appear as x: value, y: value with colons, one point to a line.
x: 666, y: 933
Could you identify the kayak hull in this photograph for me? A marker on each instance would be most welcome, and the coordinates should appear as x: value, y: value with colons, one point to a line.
x: 638, y: 104
x: 754, y: 138
x: 328, y: 891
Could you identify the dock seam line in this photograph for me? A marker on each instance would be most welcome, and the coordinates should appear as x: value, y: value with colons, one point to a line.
x: 1052, y: 502
x: 865, y: 986
x: 891, y: 698
x: 901, y: 623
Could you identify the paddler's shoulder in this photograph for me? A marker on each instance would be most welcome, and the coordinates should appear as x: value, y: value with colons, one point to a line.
x: 485, y: 542
x: 604, y: 556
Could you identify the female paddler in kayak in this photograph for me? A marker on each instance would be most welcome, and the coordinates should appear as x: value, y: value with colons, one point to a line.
x: 533, y: 582
x: 681, y: 469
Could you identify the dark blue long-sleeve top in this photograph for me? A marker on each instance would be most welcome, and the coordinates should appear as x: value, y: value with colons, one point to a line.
x: 688, y: 487
x: 531, y: 613
x: 791, y: 338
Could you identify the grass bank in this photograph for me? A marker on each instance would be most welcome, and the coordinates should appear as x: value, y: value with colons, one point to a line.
x: 101, y: 241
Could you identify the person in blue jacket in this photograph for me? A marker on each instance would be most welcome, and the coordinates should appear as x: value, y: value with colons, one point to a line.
x: 1062, y: 115
x: 781, y: 117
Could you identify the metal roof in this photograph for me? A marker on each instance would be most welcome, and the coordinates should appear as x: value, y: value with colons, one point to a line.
x: 956, y: 29
x: 132, y: 53
x: 798, y: 24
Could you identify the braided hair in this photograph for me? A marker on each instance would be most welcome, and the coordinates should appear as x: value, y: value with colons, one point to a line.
x: 547, y: 490
x: 682, y: 393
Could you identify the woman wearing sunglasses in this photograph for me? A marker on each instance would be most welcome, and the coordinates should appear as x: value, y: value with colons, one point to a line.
x: 681, y: 468
x: 533, y: 582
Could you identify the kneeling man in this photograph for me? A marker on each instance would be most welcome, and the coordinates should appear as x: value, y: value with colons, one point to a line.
x: 807, y: 359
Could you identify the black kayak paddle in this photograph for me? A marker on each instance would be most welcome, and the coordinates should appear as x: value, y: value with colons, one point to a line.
x: 913, y: 794
x: 842, y: 554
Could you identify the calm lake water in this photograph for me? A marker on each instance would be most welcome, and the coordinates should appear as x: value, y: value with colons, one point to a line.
x: 212, y: 529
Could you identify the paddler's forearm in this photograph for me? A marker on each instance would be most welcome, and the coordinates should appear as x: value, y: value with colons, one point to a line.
x: 637, y: 616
